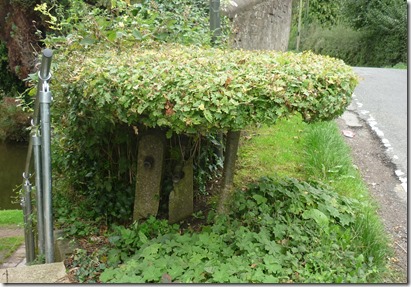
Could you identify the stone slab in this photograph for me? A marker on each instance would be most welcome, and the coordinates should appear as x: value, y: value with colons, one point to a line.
x: 42, y: 273
x: 351, y: 119
x: 181, y: 198
x: 150, y: 162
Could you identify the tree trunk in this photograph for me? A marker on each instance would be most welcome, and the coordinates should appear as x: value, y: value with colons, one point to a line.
x: 18, y: 24
x: 233, y: 138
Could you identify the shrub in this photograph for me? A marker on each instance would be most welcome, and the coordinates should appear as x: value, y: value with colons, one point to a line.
x: 111, y: 96
x: 13, y: 121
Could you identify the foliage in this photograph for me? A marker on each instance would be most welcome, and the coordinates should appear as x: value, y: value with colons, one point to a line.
x: 127, y: 240
x: 386, y: 24
x: 9, y: 83
x: 193, y: 89
x: 338, y: 41
x: 116, y: 23
x: 376, y: 14
x: 313, y: 152
x: 367, y: 236
x: 13, y: 121
x: 122, y: 243
x: 368, y: 32
x: 325, y: 12
x: 112, y: 97
x: 280, y: 230
x: 79, y: 219
x: 120, y: 23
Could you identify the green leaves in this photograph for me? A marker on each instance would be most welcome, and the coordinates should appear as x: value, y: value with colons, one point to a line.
x: 191, y: 89
x: 319, y: 217
x: 265, y: 243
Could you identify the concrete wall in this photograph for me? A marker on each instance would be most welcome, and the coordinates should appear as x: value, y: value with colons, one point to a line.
x: 260, y: 24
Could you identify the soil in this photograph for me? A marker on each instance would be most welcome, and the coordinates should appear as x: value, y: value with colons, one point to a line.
x: 11, y: 231
x: 378, y: 171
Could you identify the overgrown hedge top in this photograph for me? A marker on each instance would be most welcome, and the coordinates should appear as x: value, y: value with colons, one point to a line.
x: 192, y: 89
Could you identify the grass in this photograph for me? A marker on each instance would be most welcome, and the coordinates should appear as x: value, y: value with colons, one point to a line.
x: 315, y: 152
x: 260, y: 153
x: 8, y: 245
x: 11, y: 217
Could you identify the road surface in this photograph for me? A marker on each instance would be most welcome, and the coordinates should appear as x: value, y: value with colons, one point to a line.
x: 381, y: 100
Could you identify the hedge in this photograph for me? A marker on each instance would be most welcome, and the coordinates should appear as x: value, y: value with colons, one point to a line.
x: 193, y: 89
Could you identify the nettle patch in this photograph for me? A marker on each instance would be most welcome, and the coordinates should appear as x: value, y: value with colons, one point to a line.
x: 191, y: 89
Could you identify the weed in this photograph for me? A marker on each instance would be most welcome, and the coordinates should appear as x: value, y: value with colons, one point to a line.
x: 279, y: 230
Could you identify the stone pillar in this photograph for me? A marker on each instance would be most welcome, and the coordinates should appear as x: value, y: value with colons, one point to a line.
x: 181, y: 198
x: 150, y: 162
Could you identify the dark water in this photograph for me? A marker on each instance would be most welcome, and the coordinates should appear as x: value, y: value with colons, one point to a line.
x: 12, y: 163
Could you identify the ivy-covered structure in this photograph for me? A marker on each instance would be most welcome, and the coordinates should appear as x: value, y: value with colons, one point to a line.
x: 107, y: 95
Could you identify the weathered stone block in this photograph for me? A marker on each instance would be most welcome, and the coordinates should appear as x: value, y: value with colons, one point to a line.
x: 150, y: 161
x: 181, y: 198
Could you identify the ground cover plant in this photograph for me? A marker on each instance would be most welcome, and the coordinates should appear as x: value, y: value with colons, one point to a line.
x: 279, y: 231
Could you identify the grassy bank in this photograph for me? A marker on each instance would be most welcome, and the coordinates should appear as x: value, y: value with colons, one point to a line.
x: 316, y: 152
x: 10, y: 220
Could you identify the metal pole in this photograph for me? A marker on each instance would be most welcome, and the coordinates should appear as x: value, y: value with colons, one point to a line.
x: 39, y: 191
x: 44, y: 76
x: 28, y: 224
x: 45, y: 100
x: 215, y: 21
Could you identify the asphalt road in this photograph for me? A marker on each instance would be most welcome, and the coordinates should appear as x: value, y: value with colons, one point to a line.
x: 381, y: 100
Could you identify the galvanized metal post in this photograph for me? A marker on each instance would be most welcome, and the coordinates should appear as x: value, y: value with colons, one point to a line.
x: 42, y: 162
x: 39, y: 191
x: 215, y: 22
x: 45, y: 100
x: 28, y: 223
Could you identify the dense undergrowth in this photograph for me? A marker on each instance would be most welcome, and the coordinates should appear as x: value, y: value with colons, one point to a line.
x: 280, y: 229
